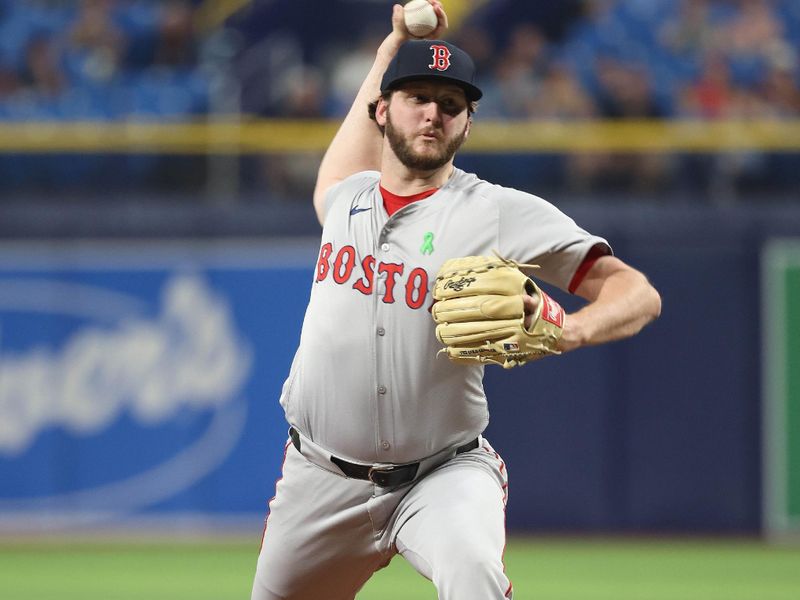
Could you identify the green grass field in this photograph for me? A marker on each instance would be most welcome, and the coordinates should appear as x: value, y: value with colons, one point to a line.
x: 541, y: 569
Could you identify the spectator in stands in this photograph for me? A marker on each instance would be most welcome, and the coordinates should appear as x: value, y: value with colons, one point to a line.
x: 517, y: 71
x: 561, y: 96
x: 779, y: 91
x: 689, y: 32
x: 97, y: 40
x: 304, y: 94
x: 711, y: 95
x: 42, y: 72
x: 349, y: 71
x: 477, y: 42
x: 9, y: 81
x: 751, y: 29
x: 625, y: 91
x: 527, y: 46
x: 176, y: 45
x: 750, y: 39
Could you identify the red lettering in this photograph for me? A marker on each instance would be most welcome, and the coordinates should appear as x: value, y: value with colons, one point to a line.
x: 342, y: 275
x: 441, y: 57
x: 392, y: 270
x: 323, y: 266
x: 364, y: 285
x: 416, y: 288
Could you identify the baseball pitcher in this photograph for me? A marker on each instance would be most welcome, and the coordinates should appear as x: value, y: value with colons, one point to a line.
x: 426, y: 274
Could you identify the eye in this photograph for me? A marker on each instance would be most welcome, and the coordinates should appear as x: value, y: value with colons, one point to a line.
x: 451, y: 106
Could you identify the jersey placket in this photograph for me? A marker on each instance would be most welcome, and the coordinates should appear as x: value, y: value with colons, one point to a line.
x: 384, y: 333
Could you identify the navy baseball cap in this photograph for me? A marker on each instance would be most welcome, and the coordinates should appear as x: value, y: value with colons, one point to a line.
x: 432, y: 59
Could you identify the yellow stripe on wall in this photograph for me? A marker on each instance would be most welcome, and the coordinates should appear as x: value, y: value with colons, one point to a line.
x: 283, y: 136
x: 636, y: 136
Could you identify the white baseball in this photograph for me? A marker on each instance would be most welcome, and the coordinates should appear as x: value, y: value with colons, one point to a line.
x: 420, y: 18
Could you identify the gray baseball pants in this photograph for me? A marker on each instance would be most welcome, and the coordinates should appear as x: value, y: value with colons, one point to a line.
x: 326, y: 535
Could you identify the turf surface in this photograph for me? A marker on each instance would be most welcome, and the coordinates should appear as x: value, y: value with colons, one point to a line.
x: 542, y: 569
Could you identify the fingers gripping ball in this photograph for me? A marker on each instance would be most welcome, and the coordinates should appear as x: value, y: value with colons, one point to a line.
x: 480, y: 316
x: 420, y: 18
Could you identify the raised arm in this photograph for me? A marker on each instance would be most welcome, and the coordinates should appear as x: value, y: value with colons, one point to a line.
x: 357, y: 144
x: 621, y: 302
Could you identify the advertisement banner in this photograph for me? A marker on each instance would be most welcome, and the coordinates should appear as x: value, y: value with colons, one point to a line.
x: 141, y: 379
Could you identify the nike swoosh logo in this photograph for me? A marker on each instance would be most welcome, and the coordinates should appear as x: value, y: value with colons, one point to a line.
x: 355, y: 210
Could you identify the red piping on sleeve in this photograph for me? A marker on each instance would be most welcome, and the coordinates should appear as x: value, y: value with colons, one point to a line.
x: 596, y: 252
x: 266, y: 519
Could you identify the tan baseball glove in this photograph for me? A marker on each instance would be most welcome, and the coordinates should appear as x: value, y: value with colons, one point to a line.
x: 480, y: 316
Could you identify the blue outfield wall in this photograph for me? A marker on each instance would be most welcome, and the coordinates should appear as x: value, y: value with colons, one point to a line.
x: 141, y: 379
x: 660, y: 432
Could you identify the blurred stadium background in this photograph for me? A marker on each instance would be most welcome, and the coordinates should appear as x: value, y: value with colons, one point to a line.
x: 157, y: 160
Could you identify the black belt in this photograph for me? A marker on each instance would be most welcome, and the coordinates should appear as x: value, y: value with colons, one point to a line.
x: 384, y: 476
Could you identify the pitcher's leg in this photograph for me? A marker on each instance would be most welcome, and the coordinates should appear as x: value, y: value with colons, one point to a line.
x: 451, y: 528
x: 319, y: 540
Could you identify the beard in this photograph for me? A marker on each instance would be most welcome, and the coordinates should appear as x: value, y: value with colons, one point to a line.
x: 418, y: 161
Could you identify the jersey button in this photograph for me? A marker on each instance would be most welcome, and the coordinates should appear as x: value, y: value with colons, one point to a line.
x: 381, y: 389
x: 381, y: 331
x: 385, y: 247
x: 385, y: 445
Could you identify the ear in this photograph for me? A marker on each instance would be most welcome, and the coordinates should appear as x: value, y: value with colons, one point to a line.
x: 381, y: 111
x: 468, y: 128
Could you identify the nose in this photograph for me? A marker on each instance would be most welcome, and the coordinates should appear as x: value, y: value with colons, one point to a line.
x: 433, y: 112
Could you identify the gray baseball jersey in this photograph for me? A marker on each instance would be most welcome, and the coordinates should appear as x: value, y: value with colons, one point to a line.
x: 366, y: 382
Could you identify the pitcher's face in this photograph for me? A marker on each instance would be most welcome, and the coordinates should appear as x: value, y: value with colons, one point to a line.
x: 426, y: 123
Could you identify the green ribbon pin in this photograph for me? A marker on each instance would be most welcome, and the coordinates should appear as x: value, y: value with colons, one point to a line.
x: 427, y: 244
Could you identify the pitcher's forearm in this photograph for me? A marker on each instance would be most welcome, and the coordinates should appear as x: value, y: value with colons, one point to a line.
x: 625, y: 304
